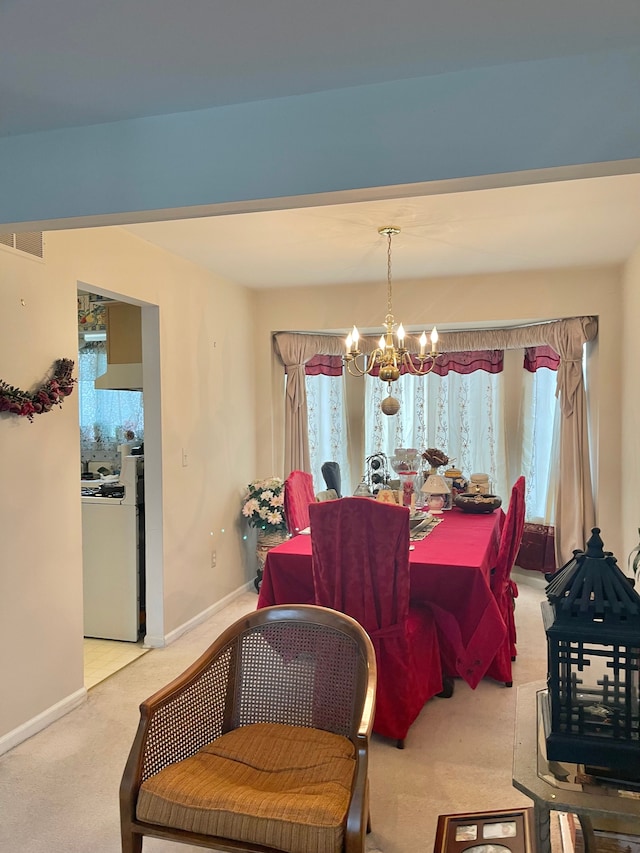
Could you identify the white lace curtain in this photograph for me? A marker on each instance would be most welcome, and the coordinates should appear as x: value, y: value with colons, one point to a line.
x: 465, y: 416
x: 327, y: 423
x: 539, y: 445
x: 461, y: 414
x: 105, y: 414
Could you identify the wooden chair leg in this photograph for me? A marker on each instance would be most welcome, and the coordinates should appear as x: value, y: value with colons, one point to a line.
x: 131, y: 842
x: 447, y: 687
x: 400, y: 744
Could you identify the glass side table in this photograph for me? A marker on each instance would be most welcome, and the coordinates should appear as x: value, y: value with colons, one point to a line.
x: 560, y: 786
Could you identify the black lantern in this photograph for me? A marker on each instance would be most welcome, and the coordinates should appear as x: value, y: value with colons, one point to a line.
x: 592, y: 622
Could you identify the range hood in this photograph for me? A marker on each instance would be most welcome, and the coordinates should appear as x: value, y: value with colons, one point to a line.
x: 124, y: 349
x: 120, y: 377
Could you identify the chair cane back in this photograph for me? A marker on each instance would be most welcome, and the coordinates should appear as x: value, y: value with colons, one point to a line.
x: 262, y: 744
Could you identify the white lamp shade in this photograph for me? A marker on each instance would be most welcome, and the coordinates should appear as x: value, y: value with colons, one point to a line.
x: 435, y: 484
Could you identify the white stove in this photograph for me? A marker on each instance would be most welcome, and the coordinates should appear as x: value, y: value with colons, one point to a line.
x: 114, y: 490
x: 93, y: 495
x: 110, y: 539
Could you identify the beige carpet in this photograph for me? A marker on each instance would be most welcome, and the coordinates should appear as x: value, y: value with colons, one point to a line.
x: 59, y: 790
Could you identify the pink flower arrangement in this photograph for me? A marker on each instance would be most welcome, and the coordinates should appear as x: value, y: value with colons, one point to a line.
x: 51, y: 393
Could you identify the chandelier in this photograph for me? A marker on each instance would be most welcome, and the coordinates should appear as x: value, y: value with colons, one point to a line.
x: 387, y: 358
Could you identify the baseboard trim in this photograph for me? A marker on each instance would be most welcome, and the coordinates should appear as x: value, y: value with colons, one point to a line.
x: 50, y: 715
x: 41, y: 721
x: 160, y: 642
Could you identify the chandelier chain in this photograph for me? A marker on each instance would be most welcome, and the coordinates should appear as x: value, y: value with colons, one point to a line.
x: 389, y: 308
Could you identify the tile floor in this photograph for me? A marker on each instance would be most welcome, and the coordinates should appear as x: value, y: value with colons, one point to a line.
x: 104, y: 657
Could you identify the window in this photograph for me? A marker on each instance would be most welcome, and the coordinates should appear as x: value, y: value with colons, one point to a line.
x: 490, y: 411
x: 105, y: 415
x: 327, y: 422
x: 462, y: 414
x: 540, y: 427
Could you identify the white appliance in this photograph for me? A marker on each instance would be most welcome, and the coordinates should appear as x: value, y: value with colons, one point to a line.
x: 110, y: 560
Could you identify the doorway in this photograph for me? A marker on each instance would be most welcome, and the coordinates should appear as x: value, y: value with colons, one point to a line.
x: 114, y: 420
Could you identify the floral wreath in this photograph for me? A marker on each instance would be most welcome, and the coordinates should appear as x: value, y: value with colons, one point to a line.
x: 51, y: 393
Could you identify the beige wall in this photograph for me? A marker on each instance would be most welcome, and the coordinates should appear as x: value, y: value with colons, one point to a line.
x: 630, y: 408
x: 205, y: 408
x: 457, y: 301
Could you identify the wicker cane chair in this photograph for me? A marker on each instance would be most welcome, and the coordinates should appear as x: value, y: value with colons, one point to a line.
x: 262, y: 744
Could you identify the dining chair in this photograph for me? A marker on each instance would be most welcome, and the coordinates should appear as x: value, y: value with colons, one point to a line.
x: 298, y: 494
x: 360, y: 565
x: 261, y: 745
x: 504, y: 588
x: 331, y: 474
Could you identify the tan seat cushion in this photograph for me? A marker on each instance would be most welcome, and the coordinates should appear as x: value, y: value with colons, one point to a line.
x: 281, y: 786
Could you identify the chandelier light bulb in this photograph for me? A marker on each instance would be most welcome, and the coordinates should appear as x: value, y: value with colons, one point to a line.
x: 434, y: 338
x: 352, y: 341
x: 401, y: 335
x: 423, y: 342
x: 382, y: 343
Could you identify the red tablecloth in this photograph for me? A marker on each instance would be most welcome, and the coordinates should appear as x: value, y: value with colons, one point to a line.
x: 449, y: 571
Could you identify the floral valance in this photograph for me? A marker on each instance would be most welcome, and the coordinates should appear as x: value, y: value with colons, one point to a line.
x: 322, y: 365
x: 491, y: 361
x: 537, y: 357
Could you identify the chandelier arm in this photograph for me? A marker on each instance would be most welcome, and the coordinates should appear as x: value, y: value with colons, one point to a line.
x: 356, y: 369
x: 422, y: 370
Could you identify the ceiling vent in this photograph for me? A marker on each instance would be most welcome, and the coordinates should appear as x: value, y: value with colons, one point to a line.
x: 30, y: 242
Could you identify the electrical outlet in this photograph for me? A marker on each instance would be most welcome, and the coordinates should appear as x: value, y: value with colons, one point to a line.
x: 213, y: 559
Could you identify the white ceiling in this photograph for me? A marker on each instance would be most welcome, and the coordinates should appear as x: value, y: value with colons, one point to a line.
x: 79, y: 62
x: 584, y: 222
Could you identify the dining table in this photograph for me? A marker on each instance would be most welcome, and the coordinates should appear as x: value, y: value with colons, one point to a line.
x: 450, y: 572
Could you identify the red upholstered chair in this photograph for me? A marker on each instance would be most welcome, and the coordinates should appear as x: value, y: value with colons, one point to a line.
x: 360, y: 565
x: 504, y: 588
x: 298, y: 494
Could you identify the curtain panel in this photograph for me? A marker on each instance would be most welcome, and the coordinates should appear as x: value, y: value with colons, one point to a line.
x: 295, y: 351
x: 575, y: 513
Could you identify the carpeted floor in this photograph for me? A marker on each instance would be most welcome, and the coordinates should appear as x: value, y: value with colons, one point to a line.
x: 59, y: 790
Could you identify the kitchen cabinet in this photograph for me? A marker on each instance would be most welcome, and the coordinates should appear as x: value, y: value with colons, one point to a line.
x: 124, y: 335
x: 124, y: 348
